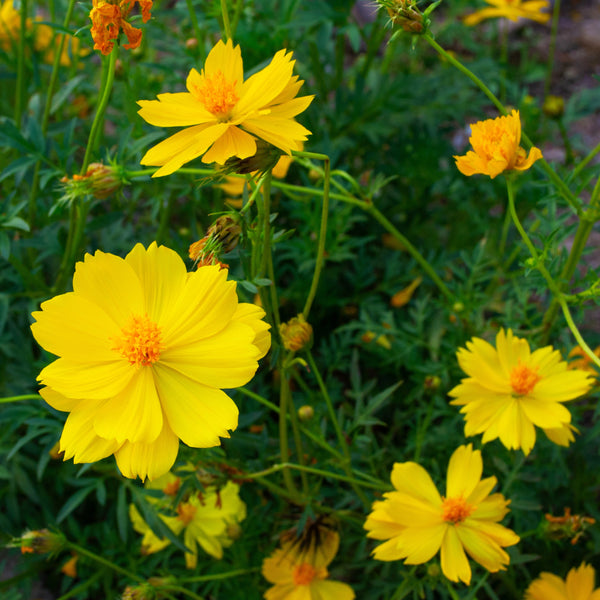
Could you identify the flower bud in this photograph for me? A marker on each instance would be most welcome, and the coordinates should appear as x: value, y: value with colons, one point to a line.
x: 296, y: 334
x: 432, y: 383
x: 306, y: 412
x: 554, y: 107
x: 41, y: 541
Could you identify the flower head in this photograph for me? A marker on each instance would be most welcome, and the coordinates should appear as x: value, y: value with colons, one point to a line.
x: 224, y: 115
x: 511, y: 9
x: 417, y: 522
x: 571, y: 527
x: 296, y: 334
x: 205, y: 520
x: 145, y: 350
x: 510, y: 389
x: 109, y: 18
x: 496, y: 148
x: 579, y: 585
x: 10, y: 25
x: 301, y: 573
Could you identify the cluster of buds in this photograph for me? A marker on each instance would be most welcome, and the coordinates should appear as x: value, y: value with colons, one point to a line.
x: 569, y: 526
x: 221, y: 237
x: 99, y: 181
x: 406, y: 15
x: 296, y: 334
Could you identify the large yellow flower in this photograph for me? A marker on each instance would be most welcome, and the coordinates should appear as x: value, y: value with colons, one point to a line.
x: 510, y: 389
x: 578, y: 586
x: 511, y: 9
x: 417, y: 522
x: 496, y: 148
x: 223, y: 114
x: 145, y: 348
x: 10, y: 25
x: 205, y: 520
x: 302, y: 574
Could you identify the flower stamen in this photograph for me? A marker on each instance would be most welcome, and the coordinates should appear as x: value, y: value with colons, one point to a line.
x: 303, y: 574
x: 140, y: 342
x: 456, y: 510
x: 523, y: 379
x: 217, y: 94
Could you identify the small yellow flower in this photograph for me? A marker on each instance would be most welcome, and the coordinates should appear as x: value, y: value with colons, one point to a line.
x: 145, y: 350
x: 10, y: 25
x: 579, y: 585
x: 224, y: 115
x: 417, y: 522
x: 511, y: 9
x: 510, y: 389
x: 496, y: 148
x: 296, y: 334
x: 301, y: 573
x: 204, y: 519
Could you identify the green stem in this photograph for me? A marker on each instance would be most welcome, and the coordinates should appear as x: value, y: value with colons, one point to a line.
x: 239, y: 5
x: 9, y: 399
x: 322, y: 233
x: 576, y: 333
x: 20, y: 91
x: 103, y: 561
x: 218, y: 576
x: 552, y: 47
x: 347, y: 462
x: 99, y: 117
x: 194, y: 20
x: 284, y: 450
x: 325, y: 474
x: 585, y: 162
x: 226, y: 25
x: 556, y: 180
x: 177, y: 588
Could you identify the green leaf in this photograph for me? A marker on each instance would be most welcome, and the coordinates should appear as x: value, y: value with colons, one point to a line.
x: 74, y: 501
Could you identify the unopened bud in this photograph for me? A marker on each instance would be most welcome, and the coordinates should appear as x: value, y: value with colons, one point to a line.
x: 191, y: 44
x: 432, y: 383
x: 41, y: 541
x: 306, y: 412
x: 554, y: 107
x: 234, y: 531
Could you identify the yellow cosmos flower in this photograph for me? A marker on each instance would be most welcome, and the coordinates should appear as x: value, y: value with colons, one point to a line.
x: 496, y: 148
x: 510, y: 389
x: 417, y: 522
x: 145, y: 349
x: 511, y: 9
x: 10, y: 25
x: 579, y: 585
x: 224, y: 114
x: 205, y: 520
x: 303, y: 575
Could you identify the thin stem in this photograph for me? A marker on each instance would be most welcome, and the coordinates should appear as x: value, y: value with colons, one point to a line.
x: 9, y: 399
x: 194, y: 20
x: 322, y: 237
x: 552, y: 47
x: 576, y: 333
x: 584, y: 163
x: 284, y: 402
x: 509, y: 480
x: 99, y: 117
x: 20, y: 91
x: 325, y: 474
x: 218, y: 576
x: 239, y: 5
x: 103, y: 561
x: 347, y: 462
x: 226, y: 25
x: 177, y: 588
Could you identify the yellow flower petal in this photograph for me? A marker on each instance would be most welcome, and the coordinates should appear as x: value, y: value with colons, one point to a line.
x: 233, y: 142
x: 455, y: 565
x: 174, y: 110
x: 464, y: 471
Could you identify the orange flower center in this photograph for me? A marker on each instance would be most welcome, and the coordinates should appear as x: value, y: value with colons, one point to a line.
x: 186, y: 513
x: 456, y: 510
x: 140, y: 342
x: 217, y: 95
x: 523, y: 379
x: 303, y: 574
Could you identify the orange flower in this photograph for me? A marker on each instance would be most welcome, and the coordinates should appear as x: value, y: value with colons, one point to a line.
x: 109, y: 18
x: 496, y: 148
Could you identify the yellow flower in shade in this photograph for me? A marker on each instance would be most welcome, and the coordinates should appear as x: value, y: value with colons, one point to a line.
x: 496, y: 148
x: 223, y: 114
x: 301, y: 574
x: 578, y: 359
x: 109, y: 18
x: 205, y: 520
x: 417, y: 522
x: 579, y: 585
x: 510, y: 389
x: 511, y: 9
x: 10, y: 25
x: 145, y: 349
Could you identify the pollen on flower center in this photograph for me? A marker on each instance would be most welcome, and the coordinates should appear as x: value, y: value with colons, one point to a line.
x: 186, y: 513
x: 523, y: 379
x: 217, y: 94
x: 303, y: 574
x: 456, y: 510
x: 140, y: 341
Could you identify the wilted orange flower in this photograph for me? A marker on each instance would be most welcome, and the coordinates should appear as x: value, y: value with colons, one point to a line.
x: 511, y: 9
x: 578, y: 359
x: 496, y: 148
x: 568, y: 526
x: 109, y: 18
